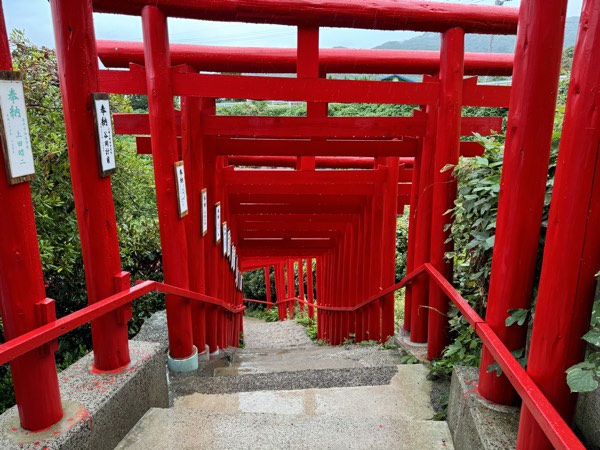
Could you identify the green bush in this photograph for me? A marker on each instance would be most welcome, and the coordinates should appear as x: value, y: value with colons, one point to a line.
x: 60, y: 249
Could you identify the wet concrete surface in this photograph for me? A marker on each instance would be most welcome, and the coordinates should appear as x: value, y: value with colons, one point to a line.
x: 283, y: 391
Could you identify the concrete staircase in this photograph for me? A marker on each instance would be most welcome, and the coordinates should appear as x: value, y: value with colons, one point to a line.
x: 347, y: 397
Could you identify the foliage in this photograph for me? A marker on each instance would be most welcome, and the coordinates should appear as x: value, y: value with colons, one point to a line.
x: 261, y: 108
x: 60, y: 249
x: 583, y: 377
x: 310, y: 324
x: 401, y: 245
x: 473, y: 232
x: 268, y: 315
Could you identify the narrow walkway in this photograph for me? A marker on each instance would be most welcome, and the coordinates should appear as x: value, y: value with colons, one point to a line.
x: 287, y: 334
x: 283, y: 391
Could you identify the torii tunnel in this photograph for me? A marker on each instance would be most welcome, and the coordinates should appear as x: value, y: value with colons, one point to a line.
x: 276, y: 191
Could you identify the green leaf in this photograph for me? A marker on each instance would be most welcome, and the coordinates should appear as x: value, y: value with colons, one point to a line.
x: 453, y: 348
x: 581, y: 380
x: 495, y: 367
x: 518, y: 316
x: 482, y: 161
x: 593, y: 337
x: 596, y: 313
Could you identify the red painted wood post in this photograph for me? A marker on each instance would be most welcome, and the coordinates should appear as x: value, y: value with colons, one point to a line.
x: 267, y: 269
x: 351, y: 279
x: 366, y: 272
x: 193, y: 149
x: 301, y: 282
x: 345, y: 282
x: 524, y: 173
x: 359, y: 273
x: 410, y: 251
x: 376, y: 265
x: 319, y: 299
x: 444, y: 187
x: 78, y: 71
x: 165, y: 154
x: 572, y: 248
x: 310, y: 287
x: 388, y: 274
x: 280, y: 291
x: 212, y: 249
x: 420, y: 287
x: 220, y: 263
x: 291, y: 287
x: 307, y: 66
x: 334, y: 294
x: 225, y: 274
x: 22, y: 293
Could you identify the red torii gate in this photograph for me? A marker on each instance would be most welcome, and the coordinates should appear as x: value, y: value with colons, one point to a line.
x: 360, y: 244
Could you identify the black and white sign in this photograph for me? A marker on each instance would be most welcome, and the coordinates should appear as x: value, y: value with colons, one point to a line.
x: 217, y: 222
x: 18, y: 155
x: 182, y: 204
x: 225, y: 238
x: 204, y: 202
x: 229, y: 244
x: 104, y: 135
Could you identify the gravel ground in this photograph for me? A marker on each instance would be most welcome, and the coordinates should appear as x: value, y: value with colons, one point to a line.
x: 287, y: 334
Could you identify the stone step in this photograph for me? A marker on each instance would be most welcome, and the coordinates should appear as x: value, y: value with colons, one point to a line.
x: 406, y: 397
x: 289, y: 369
x: 187, y: 384
x: 310, y: 358
x: 184, y: 428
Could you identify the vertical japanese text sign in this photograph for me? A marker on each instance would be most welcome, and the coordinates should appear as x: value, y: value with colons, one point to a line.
x: 182, y: 204
x: 233, y: 257
x: 229, y: 243
x: 217, y: 222
x: 204, y: 200
x: 18, y: 156
x: 225, y: 237
x: 104, y: 135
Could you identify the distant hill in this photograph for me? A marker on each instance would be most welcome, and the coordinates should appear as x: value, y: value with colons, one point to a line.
x: 481, y: 43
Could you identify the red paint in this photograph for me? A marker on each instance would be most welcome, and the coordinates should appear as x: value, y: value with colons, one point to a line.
x: 358, y: 128
x: 193, y: 157
x: 120, y: 54
x: 524, y: 173
x: 310, y: 288
x: 444, y: 183
x: 390, y: 194
x: 420, y: 288
x: 78, y: 73
x: 164, y: 145
x: 383, y: 15
x: 572, y: 247
x: 21, y: 288
x: 301, y: 282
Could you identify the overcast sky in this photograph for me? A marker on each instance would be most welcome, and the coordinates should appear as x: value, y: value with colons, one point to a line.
x: 33, y: 16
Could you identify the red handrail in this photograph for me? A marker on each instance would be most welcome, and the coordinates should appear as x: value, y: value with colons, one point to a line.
x: 556, y: 429
x: 553, y: 425
x: 35, y: 338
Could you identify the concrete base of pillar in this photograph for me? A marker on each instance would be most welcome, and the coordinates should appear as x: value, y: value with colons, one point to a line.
x: 475, y: 423
x: 100, y: 408
x: 189, y: 364
x: 205, y: 355
x: 418, y: 350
